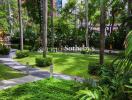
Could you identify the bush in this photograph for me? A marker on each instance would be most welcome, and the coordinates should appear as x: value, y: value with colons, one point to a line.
x: 27, y: 47
x: 93, y: 70
x: 86, y: 51
x: 4, y: 50
x: 15, y: 46
x: 43, y: 62
x: 83, y: 52
x: 22, y: 54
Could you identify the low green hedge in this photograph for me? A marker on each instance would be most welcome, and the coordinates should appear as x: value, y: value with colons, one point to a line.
x: 86, y: 51
x: 22, y: 54
x: 43, y: 62
x: 17, y: 46
x: 4, y: 50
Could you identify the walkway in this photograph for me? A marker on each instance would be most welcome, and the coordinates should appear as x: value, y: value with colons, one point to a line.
x: 4, y: 84
x: 34, y: 74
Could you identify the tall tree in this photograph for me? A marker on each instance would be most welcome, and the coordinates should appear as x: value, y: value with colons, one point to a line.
x: 44, y: 9
x: 102, y: 30
x: 87, y: 27
x: 20, y: 23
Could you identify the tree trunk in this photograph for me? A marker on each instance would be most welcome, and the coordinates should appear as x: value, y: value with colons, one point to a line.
x: 102, y: 31
x: 44, y: 26
x: 52, y: 22
x: 87, y: 27
x: 113, y: 22
x: 20, y: 23
x: 9, y: 18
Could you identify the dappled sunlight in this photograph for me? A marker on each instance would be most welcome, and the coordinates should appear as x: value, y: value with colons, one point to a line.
x: 68, y: 63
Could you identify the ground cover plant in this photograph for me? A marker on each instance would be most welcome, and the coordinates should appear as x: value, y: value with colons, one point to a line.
x: 48, y: 89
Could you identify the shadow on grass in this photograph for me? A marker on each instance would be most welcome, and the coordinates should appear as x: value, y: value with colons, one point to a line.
x: 70, y: 63
x: 8, y: 73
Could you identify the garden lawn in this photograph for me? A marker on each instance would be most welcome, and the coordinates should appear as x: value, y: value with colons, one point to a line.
x: 8, y: 73
x: 48, y: 89
x: 69, y: 63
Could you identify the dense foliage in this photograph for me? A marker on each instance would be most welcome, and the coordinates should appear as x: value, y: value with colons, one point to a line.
x: 115, y: 82
x: 48, y: 89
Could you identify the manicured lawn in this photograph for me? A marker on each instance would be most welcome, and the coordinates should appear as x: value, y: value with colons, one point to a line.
x: 69, y: 63
x: 48, y: 89
x: 8, y: 73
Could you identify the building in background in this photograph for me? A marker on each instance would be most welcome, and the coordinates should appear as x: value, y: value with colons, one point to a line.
x: 58, y: 6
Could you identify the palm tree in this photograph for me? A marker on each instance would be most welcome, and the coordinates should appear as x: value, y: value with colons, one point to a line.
x: 20, y: 23
x: 102, y: 30
x: 44, y: 4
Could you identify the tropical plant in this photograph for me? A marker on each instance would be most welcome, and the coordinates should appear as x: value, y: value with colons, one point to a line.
x: 115, y: 80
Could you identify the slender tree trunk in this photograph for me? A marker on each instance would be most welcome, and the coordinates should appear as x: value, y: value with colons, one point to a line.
x: 76, y: 37
x: 10, y: 18
x: 102, y: 31
x: 52, y: 22
x: 87, y: 26
x: 44, y: 26
x: 113, y: 22
x: 20, y: 23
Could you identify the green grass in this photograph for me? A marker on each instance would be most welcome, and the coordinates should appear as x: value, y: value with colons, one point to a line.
x: 48, y: 89
x: 8, y: 73
x: 69, y: 63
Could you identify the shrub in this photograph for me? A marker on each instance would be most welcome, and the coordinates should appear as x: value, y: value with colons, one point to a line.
x: 86, y: 51
x: 4, y: 50
x: 83, y: 51
x: 22, y: 54
x: 43, y: 62
x: 15, y: 46
x: 93, y: 70
x: 27, y: 47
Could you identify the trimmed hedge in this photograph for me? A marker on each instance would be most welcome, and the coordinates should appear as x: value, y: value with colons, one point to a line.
x: 22, y: 54
x: 17, y: 46
x: 43, y: 62
x: 87, y: 51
